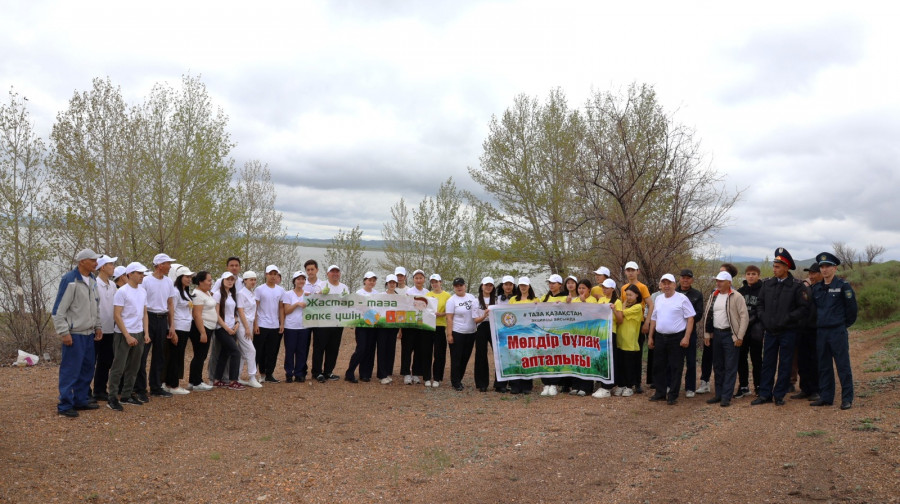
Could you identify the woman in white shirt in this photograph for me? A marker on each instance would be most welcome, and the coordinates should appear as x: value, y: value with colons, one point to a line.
x: 184, y: 323
x: 226, y: 330
x: 460, y: 331
x: 204, y: 313
x: 245, y: 331
x: 296, y: 337
x: 365, y: 339
x: 386, y: 341
x: 487, y: 296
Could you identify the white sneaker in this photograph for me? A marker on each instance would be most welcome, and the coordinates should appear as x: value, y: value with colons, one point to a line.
x: 601, y: 393
x: 582, y: 393
x: 703, y: 388
x: 435, y: 384
x: 617, y: 391
x: 179, y: 391
x: 627, y: 392
x: 202, y: 387
x: 166, y: 388
x: 553, y: 390
x: 689, y: 394
x: 243, y: 382
x: 546, y: 391
x: 416, y: 380
x: 427, y: 383
x: 386, y: 380
x: 407, y: 379
x: 253, y: 382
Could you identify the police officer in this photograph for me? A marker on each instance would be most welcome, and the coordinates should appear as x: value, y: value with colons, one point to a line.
x: 783, y: 309
x: 685, y: 286
x: 806, y: 353
x: 836, y: 308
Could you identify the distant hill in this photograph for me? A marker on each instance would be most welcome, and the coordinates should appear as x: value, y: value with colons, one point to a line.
x: 325, y: 242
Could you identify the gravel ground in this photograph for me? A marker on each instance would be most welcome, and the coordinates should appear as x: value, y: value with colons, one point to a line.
x: 367, y: 442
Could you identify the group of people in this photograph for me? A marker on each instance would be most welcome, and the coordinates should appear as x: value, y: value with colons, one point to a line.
x: 112, y: 318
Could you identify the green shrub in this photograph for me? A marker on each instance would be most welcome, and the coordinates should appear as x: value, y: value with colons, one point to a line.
x: 878, y: 298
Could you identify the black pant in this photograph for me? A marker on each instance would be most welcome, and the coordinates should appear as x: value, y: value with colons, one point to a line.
x: 668, y: 364
x: 725, y: 363
x: 230, y: 354
x: 158, y: 330
x: 482, y: 371
x: 267, y: 344
x: 103, y: 353
x: 706, y: 363
x: 628, y: 368
x: 438, y: 354
x: 460, y: 353
x: 326, y: 344
x: 807, y: 361
x: 407, y: 346
x: 386, y: 349
x: 200, y: 351
x: 175, y: 357
x: 365, y: 346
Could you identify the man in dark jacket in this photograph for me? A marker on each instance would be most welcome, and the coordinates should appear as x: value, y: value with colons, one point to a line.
x: 807, y: 359
x: 783, y: 309
x: 685, y: 286
x: 753, y: 345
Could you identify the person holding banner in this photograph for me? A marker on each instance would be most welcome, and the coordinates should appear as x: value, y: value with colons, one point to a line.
x: 327, y: 347
x: 365, y: 339
x: 555, y: 295
x: 314, y: 285
x: 226, y: 330
x: 487, y: 296
x: 580, y: 386
x: 600, y: 276
x: 420, y: 340
x: 296, y: 337
x: 407, y: 345
x: 524, y: 296
x: 571, y: 288
x: 611, y: 297
x: 460, y: 331
x: 386, y: 344
x: 671, y: 324
x: 507, y: 290
x: 627, y: 361
x: 436, y: 355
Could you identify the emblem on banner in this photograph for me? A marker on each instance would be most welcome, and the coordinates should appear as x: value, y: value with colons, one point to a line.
x: 508, y: 319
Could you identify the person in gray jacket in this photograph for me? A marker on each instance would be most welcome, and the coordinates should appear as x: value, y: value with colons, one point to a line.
x: 76, y: 318
x: 725, y: 324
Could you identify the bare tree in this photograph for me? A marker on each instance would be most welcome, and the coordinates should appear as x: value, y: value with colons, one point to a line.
x: 845, y: 253
x: 346, y: 251
x: 261, y: 237
x: 399, y: 246
x: 873, y: 252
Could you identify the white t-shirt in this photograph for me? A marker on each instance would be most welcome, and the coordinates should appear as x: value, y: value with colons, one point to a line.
x: 245, y: 296
x: 670, y: 313
x: 335, y: 290
x: 293, y: 320
x: 106, y: 292
x: 461, y: 308
x: 230, y: 305
x: 364, y: 292
x: 159, y: 290
x: 210, y: 319
x: 412, y: 291
x: 313, y: 287
x: 238, y: 284
x: 183, y: 314
x: 269, y: 299
x: 132, y: 300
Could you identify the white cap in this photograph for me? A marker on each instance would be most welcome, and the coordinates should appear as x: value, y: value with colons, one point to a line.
x: 270, y: 268
x: 524, y: 281
x: 487, y: 280
x: 507, y: 278
x: 183, y: 270
x: 227, y: 274
x: 417, y: 272
x: 723, y: 275
x: 332, y: 267
x: 668, y: 276
x: 433, y: 277
x: 609, y: 283
x: 161, y: 258
x: 631, y: 265
x: 554, y: 278
x: 119, y: 271
x: 86, y: 254
x: 603, y: 270
x: 104, y: 260
x: 400, y: 270
x: 573, y: 277
x: 249, y: 274
x: 391, y: 278
x: 369, y: 274
x: 296, y: 274
x: 135, y: 266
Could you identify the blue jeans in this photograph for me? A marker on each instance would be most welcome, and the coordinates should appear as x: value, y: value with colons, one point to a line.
x: 76, y: 370
x: 778, y: 353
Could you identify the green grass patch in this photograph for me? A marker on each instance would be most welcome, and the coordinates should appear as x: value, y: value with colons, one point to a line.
x: 867, y: 425
x: 434, y: 460
x: 812, y: 433
x: 215, y: 456
x: 888, y: 358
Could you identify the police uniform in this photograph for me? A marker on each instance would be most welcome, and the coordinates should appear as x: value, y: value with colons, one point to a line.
x: 806, y: 354
x: 836, y: 308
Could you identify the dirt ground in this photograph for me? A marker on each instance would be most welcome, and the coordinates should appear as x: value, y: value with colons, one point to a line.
x: 367, y: 442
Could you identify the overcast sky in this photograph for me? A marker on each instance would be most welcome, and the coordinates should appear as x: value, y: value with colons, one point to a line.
x: 355, y: 104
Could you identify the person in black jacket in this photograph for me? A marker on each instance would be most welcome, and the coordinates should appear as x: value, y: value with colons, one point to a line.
x: 685, y: 286
x: 807, y: 359
x: 753, y: 347
x: 783, y: 309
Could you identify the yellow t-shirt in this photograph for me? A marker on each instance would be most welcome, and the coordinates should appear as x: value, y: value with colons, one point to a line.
x: 561, y: 298
x: 441, y: 306
x: 616, y: 307
x: 597, y: 291
x: 524, y: 301
x: 590, y: 299
x: 630, y: 328
x: 645, y: 292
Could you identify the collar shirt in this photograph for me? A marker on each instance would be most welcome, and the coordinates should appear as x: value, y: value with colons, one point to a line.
x: 106, y: 292
x: 314, y: 287
x: 670, y: 313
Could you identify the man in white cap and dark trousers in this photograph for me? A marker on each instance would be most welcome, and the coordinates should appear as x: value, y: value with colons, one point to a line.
x: 725, y: 324
x: 76, y: 318
x: 103, y: 349
x: 326, y: 347
x: 671, y: 324
x: 161, y: 295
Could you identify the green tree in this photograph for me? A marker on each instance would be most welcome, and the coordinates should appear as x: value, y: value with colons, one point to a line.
x: 261, y: 238
x: 347, y: 252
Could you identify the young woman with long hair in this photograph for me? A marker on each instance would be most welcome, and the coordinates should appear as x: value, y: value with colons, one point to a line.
x: 204, y: 314
x: 487, y: 296
x: 230, y: 354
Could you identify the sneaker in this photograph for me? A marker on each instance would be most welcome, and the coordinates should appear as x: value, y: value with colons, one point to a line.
x: 582, y: 393
x: 236, y: 386
x: 386, y: 380
x: 253, y: 382
x: 133, y: 401
x: 435, y: 384
x: 71, y: 413
x: 201, y: 387
x: 427, y: 383
x: 141, y: 396
x: 458, y: 387
x: 553, y: 390
x: 219, y: 384
x: 160, y: 393
x: 407, y: 379
x: 627, y: 392
x: 601, y: 393
x: 272, y: 379
x: 416, y: 380
x: 546, y: 391
x: 703, y: 388
x: 333, y: 377
x: 573, y: 392
x: 179, y: 391
x: 320, y: 378
x: 688, y: 393
x: 114, y: 404
x: 743, y: 391
x: 618, y: 391
x: 243, y: 382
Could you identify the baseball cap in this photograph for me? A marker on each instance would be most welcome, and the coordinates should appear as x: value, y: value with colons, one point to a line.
x: 369, y: 274
x: 249, y: 274
x: 270, y: 268
x: 400, y: 270
x: 227, y: 274
x: 524, y: 281
x: 86, y: 254
x: 161, y: 258
x: 135, y: 266
x: 432, y: 277
x: 688, y: 273
x: 183, y: 270
x: 104, y: 259
x: 554, y: 278
x: 459, y: 281
x: 487, y: 280
x: 417, y: 272
x: 668, y: 276
x: 332, y: 267
x: 723, y: 275
x: 297, y: 274
x: 602, y: 270
x: 631, y: 265
x: 392, y: 278
x: 508, y: 278
x: 119, y: 271
x: 609, y: 283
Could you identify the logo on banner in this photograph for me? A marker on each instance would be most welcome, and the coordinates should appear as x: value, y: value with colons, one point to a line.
x: 509, y: 319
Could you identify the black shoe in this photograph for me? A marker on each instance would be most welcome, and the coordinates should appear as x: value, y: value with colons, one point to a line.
x: 160, y: 393
x: 289, y: 379
x: 458, y: 387
x: 820, y: 403
x: 482, y: 389
x: 655, y: 397
x: 813, y: 397
x: 741, y: 392
x: 779, y: 401
x: 88, y: 406
x: 272, y: 379
x: 714, y: 400
x: 141, y: 396
x: 333, y: 377
x: 101, y: 397
x: 114, y: 404
x: 760, y: 400
x: 672, y: 402
x: 801, y: 395
x: 792, y: 389
x: 132, y: 400
x: 726, y: 403
x: 351, y: 379
x: 846, y: 405
x: 365, y: 380
x: 300, y: 379
x: 638, y: 390
x: 515, y: 391
x: 320, y: 378
x: 70, y: 413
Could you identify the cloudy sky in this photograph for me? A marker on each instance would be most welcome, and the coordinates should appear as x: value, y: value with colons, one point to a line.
x: 354, y: 104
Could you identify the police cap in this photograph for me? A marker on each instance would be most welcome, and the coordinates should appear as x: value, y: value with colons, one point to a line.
x: 828, y: 258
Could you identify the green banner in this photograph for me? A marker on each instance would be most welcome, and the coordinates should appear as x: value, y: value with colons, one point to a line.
x: 547, y: 340
x: 377, y: 310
